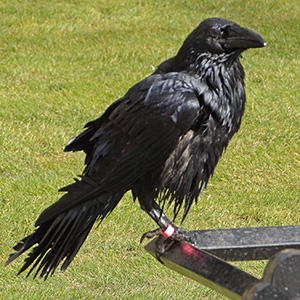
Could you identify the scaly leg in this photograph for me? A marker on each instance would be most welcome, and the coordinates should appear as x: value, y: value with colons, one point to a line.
x: 167, y: 232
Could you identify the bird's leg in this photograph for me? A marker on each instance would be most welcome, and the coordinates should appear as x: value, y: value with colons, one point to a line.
x: 154, y: 211
x: 165, y: 227
x: 168, y: 233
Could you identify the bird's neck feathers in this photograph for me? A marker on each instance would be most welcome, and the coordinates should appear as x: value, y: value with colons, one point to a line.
x: 204, y: 62
x: 224, y: 75
x: 201, y: 62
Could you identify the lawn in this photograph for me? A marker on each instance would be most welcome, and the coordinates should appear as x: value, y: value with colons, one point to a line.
x: 63, y: 62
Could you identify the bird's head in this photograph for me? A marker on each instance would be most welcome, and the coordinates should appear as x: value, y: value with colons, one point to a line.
x: 218, y: 36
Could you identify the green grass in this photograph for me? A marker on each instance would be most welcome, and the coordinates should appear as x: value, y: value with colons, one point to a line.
x: 63, y: 62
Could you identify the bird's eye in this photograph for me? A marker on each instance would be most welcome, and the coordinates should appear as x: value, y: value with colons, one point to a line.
x: 214, y: 32
x: 217, y: 33
x: 223, y: 31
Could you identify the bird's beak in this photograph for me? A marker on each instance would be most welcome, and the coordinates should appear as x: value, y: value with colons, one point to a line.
x: 243, y: 38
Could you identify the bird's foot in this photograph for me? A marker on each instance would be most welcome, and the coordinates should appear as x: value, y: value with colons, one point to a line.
x: 182, y: 235
x: 179, y: 234
x: 168, y: 237
x: 150, y: 234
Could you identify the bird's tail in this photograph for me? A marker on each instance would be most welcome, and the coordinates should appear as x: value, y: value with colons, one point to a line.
x: 63, y: 227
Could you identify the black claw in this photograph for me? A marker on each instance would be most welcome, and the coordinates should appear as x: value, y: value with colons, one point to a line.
x: 158, y: 255
x: 150, y: 234
x: 164, y: 244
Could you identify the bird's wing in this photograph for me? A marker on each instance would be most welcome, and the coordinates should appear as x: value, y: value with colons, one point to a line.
x: 136, y: 134
x: 139, y: 131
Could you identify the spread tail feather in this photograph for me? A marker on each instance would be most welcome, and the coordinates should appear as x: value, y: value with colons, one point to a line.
x: 61, y: 237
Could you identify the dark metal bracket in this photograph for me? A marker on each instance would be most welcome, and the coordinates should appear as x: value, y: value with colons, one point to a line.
x: 205, y: 261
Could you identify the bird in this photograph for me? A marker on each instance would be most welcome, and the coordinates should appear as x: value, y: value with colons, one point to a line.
x: 162, y: 141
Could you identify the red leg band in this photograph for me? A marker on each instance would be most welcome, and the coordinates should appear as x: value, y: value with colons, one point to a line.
x: 169, y: 231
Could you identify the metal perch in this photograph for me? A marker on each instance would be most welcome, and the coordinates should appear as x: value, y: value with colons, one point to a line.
x: 205, y: 261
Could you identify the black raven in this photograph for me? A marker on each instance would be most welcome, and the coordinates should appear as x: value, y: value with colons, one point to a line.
x: 162, y: 141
